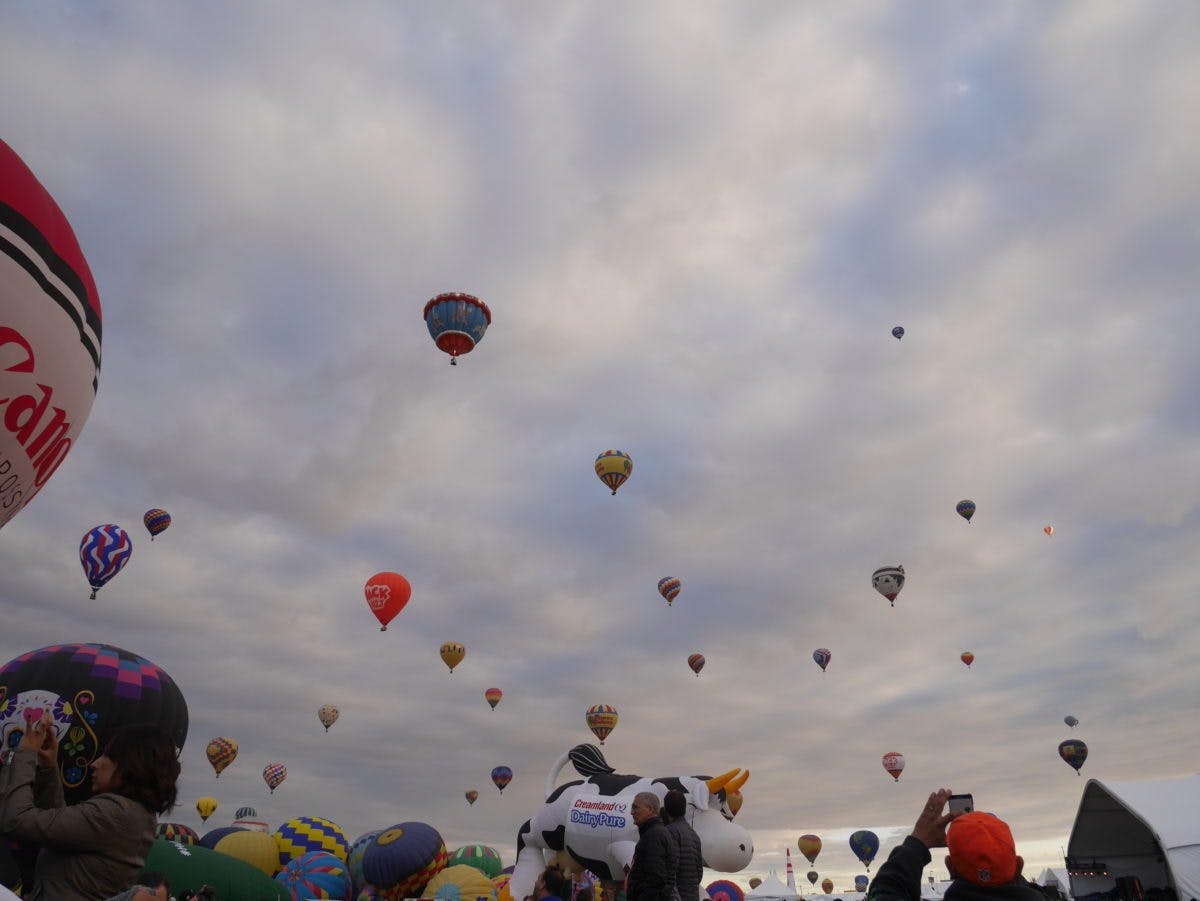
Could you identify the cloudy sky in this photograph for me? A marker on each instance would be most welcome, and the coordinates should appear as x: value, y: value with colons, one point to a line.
x: 696, y: 226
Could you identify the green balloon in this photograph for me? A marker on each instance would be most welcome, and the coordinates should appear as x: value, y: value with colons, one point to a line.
x: 192, y: 866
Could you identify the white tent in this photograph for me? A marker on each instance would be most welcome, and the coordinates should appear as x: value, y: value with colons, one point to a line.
x: 1150, y: 830
x: 771, y: 889
x: 1056, y: 878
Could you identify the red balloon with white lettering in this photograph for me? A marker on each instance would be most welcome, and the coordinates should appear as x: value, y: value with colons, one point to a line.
x: 49, y: 336
x: 387, y: 593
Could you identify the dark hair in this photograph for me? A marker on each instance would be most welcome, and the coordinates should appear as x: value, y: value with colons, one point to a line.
x: 555, y: 882
x: 147, y: 764
x: 675, y: 803
x: 153, y: 879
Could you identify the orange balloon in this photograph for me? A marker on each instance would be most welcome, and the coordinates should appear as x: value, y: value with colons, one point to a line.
x: 1049, y: 530
x: 967, y: 657
x: 387, y: 593
x: 734, y: 800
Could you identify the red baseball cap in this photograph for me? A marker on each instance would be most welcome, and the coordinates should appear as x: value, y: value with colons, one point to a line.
x: 982, y: 849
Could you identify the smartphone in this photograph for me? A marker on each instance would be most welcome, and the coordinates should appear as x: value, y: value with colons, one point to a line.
x: 962, y: 804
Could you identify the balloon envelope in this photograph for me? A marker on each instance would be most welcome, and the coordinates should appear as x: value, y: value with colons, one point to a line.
x: 813, y: 876
x: 669, y: 587
x: 456, y: 322
x: 966, y: 509
x: 865, y: 845
x: 273, y: 775
x: 827, y: 885
x: 220, y: 753
x: 734, y: 799
x: 472, y: 795
x: 386, y: 594
x: 177, y: 832
x: 90, y: 689
x: 50, y: 332
x: 601, y: 719
x: 501, y: 776
x: 403, y: 858
x: 452, y: 654
x: 232, y: 879
x: 250, y: 846
x: 893, y: 762
x: 328, y: 715
x: 725, y: 890
x: 460, y: 881
x: 860, y: 883
x: 696, y: 662
x: 103, y: 552
x: 810, y: 846
x: 1049, y: 530
x: 483, y: 858
x: 1074, y: 752
x: 1071, y: 721
x: 898, y: 332
x: 205, y: 807
x: 493, y: 696
x: 888, y: 580
x: 209, y: 839
x: 156, y: 521
x: 967, y: 657
x: 316, y: 874
x: 613, y: 467
x: 822, y: 656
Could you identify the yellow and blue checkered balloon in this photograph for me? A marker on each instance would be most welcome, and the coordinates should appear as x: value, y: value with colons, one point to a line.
x: 298, y: 837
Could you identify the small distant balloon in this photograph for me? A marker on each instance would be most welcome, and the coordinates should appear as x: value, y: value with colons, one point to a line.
x: 1071, y: 721
x: 860, y: 883
x: 493, y: 696
x: 387, y: 593
x: 601, y: 719
x: 1049, y: 530
x: 755, y: 882
x: 328, y: 715
x: 501, y: 776
x: 967, y: 657
x: 205, y: 807
x: 457, y: 322
x: 812, y: 876
x: 965, y: 509
x: 822, y: 656
x: 1074, y: 752
x: 810, y: 846
x: 452, y: 654
x: 221, y: 752
x: 827, y: 885
x: 865, y: 845
x: 103, y: 553
x: 898, y: 332
x: 613, y: 467
x: 696, y: 662
x: 245, y: 813
x: 669, y: 587
x: 472, y: 796
x: 735, y: 800
x: 156, y: 521
x: 273, y: 775
x: 893, y: 762
x: 888, y: 580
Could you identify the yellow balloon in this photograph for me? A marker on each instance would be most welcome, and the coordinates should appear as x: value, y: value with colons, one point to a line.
x: 471, y: 882
x: 255, y: 848
x: 452, y: 654
x: 613, y: 467
x: 205, y: 807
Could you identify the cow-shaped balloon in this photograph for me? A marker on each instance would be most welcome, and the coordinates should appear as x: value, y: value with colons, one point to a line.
x: 588, y: 823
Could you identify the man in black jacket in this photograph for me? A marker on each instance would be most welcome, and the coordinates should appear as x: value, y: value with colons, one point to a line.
x: 655, y: 859
x: 983, y: 860
x: 691, y: 854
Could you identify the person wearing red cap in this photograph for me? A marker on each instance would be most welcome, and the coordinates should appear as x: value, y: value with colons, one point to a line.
x: 983, y: 860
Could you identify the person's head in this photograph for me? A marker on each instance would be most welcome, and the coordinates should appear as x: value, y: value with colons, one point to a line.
x: 645, y: 807
x: 552, y: 881
x: 152, y: 886
x: 138, y: 762
x: 982, y: 850
x: 675, y: 804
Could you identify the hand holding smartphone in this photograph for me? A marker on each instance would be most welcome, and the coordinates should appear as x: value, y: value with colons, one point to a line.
x: 961, y: 804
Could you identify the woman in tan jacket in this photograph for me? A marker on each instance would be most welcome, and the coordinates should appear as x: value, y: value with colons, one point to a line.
x: 94, y: 849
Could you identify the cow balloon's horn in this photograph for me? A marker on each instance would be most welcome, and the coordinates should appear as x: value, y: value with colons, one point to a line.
x: 737, y: 783
x: 716, y: 783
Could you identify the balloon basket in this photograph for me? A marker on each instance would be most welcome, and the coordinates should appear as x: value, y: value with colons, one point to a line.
x: 454, y: 361
x: 92, y: 596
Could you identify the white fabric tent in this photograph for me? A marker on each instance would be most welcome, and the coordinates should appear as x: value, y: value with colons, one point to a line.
x: 1056, y: 877
x: 771, y: 889
x: 1146, y: 829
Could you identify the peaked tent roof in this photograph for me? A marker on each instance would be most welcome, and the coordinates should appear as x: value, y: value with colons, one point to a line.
x: 1136, y: 819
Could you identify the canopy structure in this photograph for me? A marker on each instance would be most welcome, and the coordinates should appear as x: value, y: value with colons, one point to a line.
x: 1150, y: 830
x: 771, y: 889
x: 1057, y: 879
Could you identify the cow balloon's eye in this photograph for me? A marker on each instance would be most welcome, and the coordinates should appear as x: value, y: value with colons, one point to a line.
x: 743, y: 847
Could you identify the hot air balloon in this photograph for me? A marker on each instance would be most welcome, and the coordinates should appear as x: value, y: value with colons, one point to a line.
x: 1071, y: 721
x: 734, y: 799
x: 49, y: 336
x: 812, y: 876
x: 156, y: 521
x: 328, y: 715
x: 894, y: 764
x: 103, y: 552
x: 300, y: 835
x: 245, y: 813
x: 221, y: 752
x: 472, y: 795
x: 456, y: 322
x: 865, y: 845
x: 822, y: 656
x: 810, y: 846
x: 452, y: 654
x: 755, y: 882
x: 205, y: 807
x: 696, y: 662
x: 888, y: 580
x: 209, y: 839
x: 601, y: 719
x: 827, y: 885
x: 669, y: 587
x: 89, y: 689
x: 725, y: 890
x: 860, y: 883
x: 493, y: 696
x: 1074, y: 752
x: 315, y: 874
x: 273, y: 775
x: 614, y: 467
x: 898, y: 332
x: 251, y: 846
x: 967, y: 657
x: 965, y: 509
x: 501, y: 776
x: 1049, y: 530
x: 387, y: 593
x: 483, y: 858
x: 177, y: 832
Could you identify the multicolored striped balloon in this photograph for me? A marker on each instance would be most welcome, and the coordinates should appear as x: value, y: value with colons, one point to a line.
x: 316, y: 875
x: 501, y: 776
x: 696, y: 662
x: 221, y: 752
x: 104, y: 551
x: 273, y: 775
x: 613, y: 467
x: 156, y: 521
x: 403, y: 858
x: 669, y: 588
x: 457, y: 322
x: 601, y: 719
x: 493, y: 696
